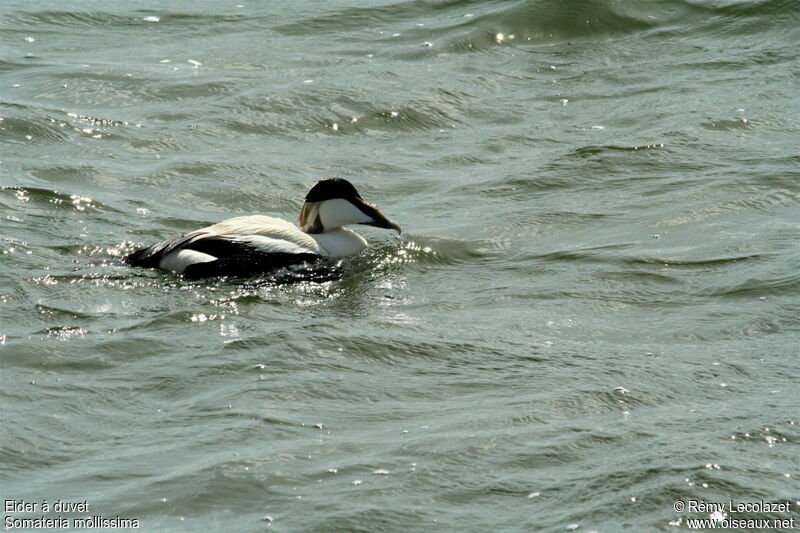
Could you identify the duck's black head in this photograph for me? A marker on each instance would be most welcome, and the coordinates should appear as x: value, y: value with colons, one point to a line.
x: 333, y: 203
x: 330, y: 189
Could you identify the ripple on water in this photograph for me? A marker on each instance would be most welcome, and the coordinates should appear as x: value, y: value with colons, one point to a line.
x: 45, y: 200
x: 39, y: 129
x: 204, y: 88
x: 343, y: 112
x: 77, y: 19
x: 749, y: 200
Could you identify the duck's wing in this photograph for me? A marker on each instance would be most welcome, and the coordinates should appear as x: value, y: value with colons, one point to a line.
x: 151, y: 256
x: 278, y: 267
x: 238, y: 256
x: 202, y: 254
x: 261, y: 242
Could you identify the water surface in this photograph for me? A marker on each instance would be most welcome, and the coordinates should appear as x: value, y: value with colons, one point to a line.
x: 592, y: 311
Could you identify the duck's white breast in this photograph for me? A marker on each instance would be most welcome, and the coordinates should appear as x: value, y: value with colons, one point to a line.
x: 340, y: 243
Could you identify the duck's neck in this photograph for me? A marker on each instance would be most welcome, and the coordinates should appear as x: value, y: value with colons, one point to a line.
x: 339, y: 242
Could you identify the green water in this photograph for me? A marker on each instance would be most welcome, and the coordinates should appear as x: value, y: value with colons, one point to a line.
x: 593, y: 311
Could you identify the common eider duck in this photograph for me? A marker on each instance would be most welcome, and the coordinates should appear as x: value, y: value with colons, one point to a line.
x: 253, y: 245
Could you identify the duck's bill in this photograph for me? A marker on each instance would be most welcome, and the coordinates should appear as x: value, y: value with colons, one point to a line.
x: 378, y: 219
